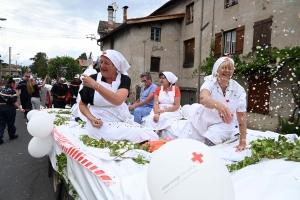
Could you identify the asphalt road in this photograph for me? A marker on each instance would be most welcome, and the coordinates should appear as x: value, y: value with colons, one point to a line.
x: 23, y: 177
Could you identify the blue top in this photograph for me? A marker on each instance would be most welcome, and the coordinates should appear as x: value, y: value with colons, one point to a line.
x: 145, y: 94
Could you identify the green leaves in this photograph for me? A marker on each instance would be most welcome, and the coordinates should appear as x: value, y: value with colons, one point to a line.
x: 118, y: 148
x: 271, y: 149
x: 268, y: 61
x: 72, y: 67
x: 61, y: 162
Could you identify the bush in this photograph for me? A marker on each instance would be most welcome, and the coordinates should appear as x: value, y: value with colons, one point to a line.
x: 288, y: 127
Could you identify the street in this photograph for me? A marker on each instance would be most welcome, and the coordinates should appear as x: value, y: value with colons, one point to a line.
x: 23, y: 177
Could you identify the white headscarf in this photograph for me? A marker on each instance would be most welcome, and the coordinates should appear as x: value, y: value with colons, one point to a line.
x: 170, y: 77
x: 216, y: 67
x: 117, y: 59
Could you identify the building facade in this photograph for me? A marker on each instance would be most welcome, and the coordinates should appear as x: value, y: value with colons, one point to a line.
x: 178, y: 35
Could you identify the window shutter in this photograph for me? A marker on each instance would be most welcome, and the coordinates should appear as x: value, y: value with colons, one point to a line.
x: 240, y: 40
x: 256, y: 34
x: 218, y: 40
x: 266, y: 32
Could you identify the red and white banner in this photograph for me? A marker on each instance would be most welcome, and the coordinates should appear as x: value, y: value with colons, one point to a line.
x: 68, y: 147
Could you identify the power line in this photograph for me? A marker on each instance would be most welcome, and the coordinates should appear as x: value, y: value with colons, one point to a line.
x: 39, y: 14
x: 40, y: 34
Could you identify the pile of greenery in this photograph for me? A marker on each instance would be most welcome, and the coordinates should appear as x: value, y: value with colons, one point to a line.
x: 61, y: 163
x: 117, y: 149
x: 271, y: 149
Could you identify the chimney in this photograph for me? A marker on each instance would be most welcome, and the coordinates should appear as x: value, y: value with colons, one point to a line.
x: 125, y: 13
x: 110, y: 25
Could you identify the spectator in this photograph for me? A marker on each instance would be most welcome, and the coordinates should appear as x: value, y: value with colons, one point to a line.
x: 74, y: 88
x: 8, y: 104
x: 25, y: 97
x: 34, y: 90
x: 144, y: 104
x: 59, y: 92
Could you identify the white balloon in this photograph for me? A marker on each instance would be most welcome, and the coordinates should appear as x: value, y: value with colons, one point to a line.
x: 39, y: 147
x: 194, y: 107
x: 185, y: 110
x: 40, y: 113
x: 30, y: 113
x: 40, y: 125
x: 188, y: 169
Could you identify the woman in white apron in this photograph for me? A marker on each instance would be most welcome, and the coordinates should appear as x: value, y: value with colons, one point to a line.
x: 223, y: 109
x: 166, y: 107
x: 102, y: 102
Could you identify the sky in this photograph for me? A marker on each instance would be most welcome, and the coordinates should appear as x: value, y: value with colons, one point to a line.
x: 59, y: 27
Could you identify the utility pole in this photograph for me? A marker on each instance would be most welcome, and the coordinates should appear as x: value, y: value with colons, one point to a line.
x: 9, y: 61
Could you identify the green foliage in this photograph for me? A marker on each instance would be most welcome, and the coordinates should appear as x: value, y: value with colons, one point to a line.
x: 60, y: 120
x: 72, y: 67
x: 271, y: 149
x: 118, y: 148
x: 81, y: 123
x: 268, y: 61
x: 61, y: 163
x: 287, y: 126
x: 64, y: 111
x: 39, y: 65
x: 206, y: 65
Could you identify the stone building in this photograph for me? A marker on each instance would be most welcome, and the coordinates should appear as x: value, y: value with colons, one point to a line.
x: 177, y: 37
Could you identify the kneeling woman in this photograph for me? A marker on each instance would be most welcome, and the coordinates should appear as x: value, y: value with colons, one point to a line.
x: 166, y: 107
x: 223, y: 109
x: 102, y: 102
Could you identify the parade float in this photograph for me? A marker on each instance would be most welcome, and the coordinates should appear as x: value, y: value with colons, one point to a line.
x: 84, y: 168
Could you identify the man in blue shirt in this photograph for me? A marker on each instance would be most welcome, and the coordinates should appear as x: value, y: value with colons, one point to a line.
x: 144, y: 104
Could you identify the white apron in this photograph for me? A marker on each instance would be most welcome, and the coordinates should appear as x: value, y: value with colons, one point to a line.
x: 207, y: 123
x: 166, y: 119
x: 118, y: 123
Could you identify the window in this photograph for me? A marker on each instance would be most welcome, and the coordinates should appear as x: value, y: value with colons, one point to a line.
x: 155, y: 63
x: 233, y: 42
x: 262, y: 33
x: 230, y: 42
x: 112, y: 43
x: 229, y: 3
x: 259, y: 94
x: 189, y: 13
x: 189, y: 47
x: 155, y: 34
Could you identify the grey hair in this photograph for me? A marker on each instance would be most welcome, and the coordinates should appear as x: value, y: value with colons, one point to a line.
x: 147, y: 74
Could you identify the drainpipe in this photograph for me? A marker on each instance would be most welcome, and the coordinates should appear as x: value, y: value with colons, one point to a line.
x: 200, y: 51
x: 144, y: 54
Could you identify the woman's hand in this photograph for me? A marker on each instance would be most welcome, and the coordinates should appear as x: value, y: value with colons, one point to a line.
x: 160, y: 111
x: 156, y: 118
x: 97, y: 123
x: 225, y: 113
x: 241, y: 147
x: 88, y: 81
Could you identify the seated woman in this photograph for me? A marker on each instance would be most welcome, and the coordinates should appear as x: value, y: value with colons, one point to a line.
x: 107, y: 115
x: 166, y: 107
x: 223, y: 109
x: 34, y: 90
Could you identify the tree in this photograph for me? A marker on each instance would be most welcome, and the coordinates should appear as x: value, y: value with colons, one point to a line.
x: 63, y: 66
x: 39, y: 65
x: 25, y: 70
x: 82, y: 56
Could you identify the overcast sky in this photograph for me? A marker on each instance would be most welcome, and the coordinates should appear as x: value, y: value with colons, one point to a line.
x: 59, y: 27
